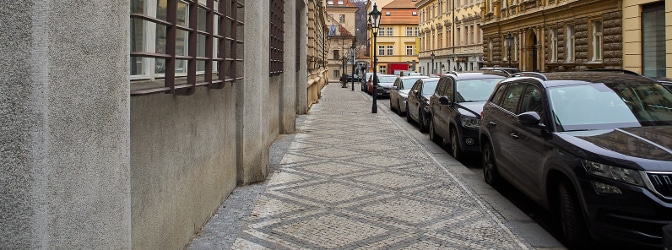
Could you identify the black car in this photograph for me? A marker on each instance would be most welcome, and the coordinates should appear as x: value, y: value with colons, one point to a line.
x: 595, y: 148
x: 417, y: 104
x: 455, y: 109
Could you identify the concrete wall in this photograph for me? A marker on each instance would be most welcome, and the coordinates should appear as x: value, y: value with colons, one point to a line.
x: 183, y: 163
x: 64, y: 122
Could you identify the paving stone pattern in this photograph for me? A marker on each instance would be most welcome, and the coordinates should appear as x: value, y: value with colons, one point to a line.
x: 352, y: 179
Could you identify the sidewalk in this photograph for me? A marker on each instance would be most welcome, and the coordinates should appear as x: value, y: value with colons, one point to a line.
x: 352, y: 179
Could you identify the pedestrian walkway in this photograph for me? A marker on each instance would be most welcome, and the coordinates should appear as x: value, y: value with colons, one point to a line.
x: 353, y: 179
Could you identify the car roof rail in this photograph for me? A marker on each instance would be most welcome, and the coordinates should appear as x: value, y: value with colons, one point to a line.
x: 624, y: 71
x: 532, y: 74
x: 498, y: 71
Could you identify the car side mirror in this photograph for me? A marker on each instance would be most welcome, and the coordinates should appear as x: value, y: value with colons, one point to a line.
x: 529, y: 118
x: 444, y: 100
x: 395, y: 88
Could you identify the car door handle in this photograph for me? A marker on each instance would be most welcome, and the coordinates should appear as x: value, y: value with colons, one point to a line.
x: 514, y: 135
x: 492, y: 123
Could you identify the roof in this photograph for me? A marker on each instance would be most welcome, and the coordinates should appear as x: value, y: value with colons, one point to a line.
x: 401, y: 12
x: 346, y: 3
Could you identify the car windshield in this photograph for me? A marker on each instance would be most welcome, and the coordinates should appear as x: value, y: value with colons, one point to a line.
x: 408, y: 82
x: 387, y: 78
x: 603, y: 106
x: 428, y: 87
x: 475, y: 90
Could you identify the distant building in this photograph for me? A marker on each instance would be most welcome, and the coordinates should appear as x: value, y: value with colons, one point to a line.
x: 340, y: 36
x: 396, y: 45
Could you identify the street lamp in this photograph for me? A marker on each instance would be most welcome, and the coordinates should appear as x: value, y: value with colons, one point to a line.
x: 432, y: 55
x: 374, y: 17
x: 352, y: 54
x: 508, y: 42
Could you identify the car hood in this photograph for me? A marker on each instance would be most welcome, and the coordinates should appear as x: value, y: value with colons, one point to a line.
x: 470, y: 108
x: 643, y: 145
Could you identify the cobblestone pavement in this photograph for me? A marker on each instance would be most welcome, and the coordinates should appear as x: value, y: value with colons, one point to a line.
x: 352, y: 179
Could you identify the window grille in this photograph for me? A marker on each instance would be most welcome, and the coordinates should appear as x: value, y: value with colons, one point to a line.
x: 201, y: 46
x: 277, y: 42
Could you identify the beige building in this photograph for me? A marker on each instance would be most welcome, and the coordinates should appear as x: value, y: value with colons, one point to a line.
x: 316, y: 52
x: 340, y: 36
x: 553, y: 35
x: 396, y: 43
x: 450, y: 31
x: 647, y: 48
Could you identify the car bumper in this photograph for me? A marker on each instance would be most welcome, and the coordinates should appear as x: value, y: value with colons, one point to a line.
x: 636, y: 216
x: 469, y: 140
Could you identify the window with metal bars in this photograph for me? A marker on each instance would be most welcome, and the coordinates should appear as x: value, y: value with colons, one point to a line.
x: 277, y: 19
x: 185, y: 43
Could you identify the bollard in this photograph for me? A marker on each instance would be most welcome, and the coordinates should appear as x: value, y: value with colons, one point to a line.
x: 667, y: 237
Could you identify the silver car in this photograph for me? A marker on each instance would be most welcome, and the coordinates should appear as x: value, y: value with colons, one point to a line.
x: 399, y: 93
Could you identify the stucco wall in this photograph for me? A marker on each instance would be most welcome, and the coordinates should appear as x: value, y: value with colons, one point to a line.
x: 183, y: 163
x: 64, y: 125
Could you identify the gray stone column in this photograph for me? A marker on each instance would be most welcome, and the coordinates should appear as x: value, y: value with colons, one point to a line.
x: 302, y: 83
x: 253, y: 161
x: 291, y: 78
x: 64, y: 125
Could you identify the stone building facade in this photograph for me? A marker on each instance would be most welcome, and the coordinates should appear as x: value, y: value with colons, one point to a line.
x: 553, y: 35
x: 125, y: 125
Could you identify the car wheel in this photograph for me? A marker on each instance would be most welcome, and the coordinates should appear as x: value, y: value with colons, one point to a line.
x: 571, y: 220
x: 490, y: 172
x: 432, y: 134
x: 455, y: 149
x: 392, y: 106
x: 422, y: 121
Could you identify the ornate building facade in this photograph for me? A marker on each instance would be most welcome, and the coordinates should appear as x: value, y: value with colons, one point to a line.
x: 450, y: 36
x: 553, y: 35
x: 340, y: 36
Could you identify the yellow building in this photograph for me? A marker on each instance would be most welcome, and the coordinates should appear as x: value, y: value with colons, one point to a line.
x: 340, y: 36
x: 647, y: 37
x: 396, y: 46
x: 450, y: 35
x: 553, y: 35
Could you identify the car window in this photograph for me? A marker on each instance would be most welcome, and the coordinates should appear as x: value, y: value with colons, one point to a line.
x: 532, y: 101
x: 610, y: 105
x: 449, y: 88
x: 475, y: 90
x: 497, y: 97
x: 429, y: 87
x: 398, y: 84
x: 387, y: 78
x: 441, y: 87
x: 513, y: 92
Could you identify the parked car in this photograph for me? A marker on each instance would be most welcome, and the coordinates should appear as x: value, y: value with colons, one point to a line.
x: 417, y: 104
x: 367, y: 78
x: 385, y: 82
x: 455, y: 109
x: 399, y: 92
x: 595, y: 148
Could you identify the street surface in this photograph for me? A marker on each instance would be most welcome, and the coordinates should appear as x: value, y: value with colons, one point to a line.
x: 352, y: 179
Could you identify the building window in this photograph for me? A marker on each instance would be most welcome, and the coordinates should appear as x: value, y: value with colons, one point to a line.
x: 390, y: 50
x: 569, y: 44
x: 382, y: 69
x: 381, y: 50
x: 330, y: 1
x: 440, y: 40
x: 337, y: 55
x: 409, y: 31
x: 415, y: 13
x: 387, y: 13
x: 389, y: 31
x: 554, y: 45
x: 490, y: 50
x: 161, y: 49
x: 597, y: 41
x: 416, y: 29
x: 341, y: 18
x: 653, y: 40
x: 340, y: 2
x: 409, y: 50
x: 515, y: 47
x: 337, y: 74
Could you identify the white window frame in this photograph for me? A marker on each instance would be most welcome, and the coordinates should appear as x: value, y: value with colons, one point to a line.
x: 390, y: 50
x: 597, y: 43
x: 409, y: 31
x: 382, y: 69
x: 409, y: 50
x: 554, y: 45
x: 569, y: 43
x: 390, y: 31
x: 381, y: 50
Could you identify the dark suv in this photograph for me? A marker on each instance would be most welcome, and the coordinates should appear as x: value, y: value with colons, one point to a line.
x: 455, y: 109
x: 593, y: 147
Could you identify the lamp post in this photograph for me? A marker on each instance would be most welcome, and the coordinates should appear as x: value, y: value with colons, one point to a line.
x: 508, y: 42
x: 374, y: 17
x: 352, y: 55
x: 432, y: 55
